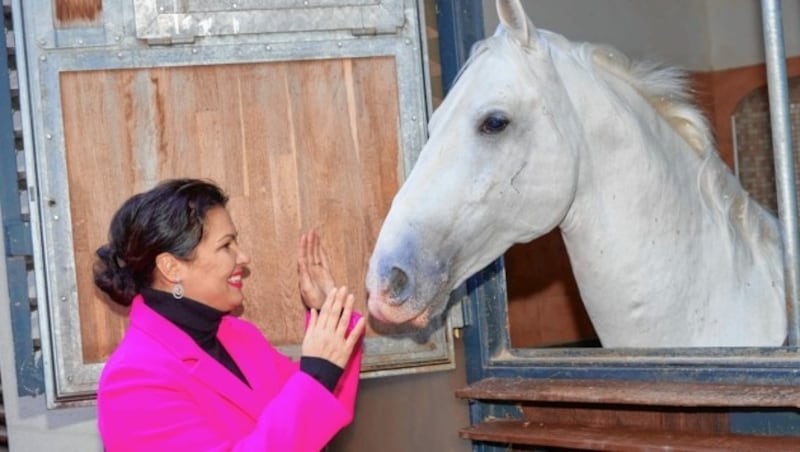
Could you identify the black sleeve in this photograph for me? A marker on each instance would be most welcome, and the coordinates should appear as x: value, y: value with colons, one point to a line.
x: 322, y: 370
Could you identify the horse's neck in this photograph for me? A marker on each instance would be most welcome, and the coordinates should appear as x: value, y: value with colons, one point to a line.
x: 633, y: 166
x: 639, y: 236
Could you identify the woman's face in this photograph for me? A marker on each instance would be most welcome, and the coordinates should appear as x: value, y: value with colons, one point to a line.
x: 214, y: 276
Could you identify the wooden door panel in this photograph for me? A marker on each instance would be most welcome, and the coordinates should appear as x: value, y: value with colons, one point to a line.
x: 296, y: 145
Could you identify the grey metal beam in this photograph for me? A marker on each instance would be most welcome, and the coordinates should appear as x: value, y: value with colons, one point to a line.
x: 777, y: 84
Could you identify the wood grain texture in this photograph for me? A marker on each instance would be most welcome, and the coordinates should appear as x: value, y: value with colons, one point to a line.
x: 621, y: 439
x: 77, y: 12
x: 544, y: 304
x: 650, y: 393
x: 626, y: 415
x: 297, y: 145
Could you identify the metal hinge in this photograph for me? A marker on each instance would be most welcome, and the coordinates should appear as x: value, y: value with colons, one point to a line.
x: 374, y: 31
x: 170, y: 40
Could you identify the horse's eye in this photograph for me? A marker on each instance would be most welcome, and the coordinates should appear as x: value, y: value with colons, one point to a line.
x: 494, y: 124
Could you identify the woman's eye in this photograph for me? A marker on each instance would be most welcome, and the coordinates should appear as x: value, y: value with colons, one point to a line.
x: 494, y: 124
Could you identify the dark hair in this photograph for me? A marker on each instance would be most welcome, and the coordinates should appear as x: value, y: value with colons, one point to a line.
x: 168, y: 218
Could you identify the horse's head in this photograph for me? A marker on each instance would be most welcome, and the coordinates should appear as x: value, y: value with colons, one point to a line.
x: 500, y: 167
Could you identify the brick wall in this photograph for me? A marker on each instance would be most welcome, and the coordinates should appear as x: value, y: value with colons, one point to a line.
x: 753, y: 142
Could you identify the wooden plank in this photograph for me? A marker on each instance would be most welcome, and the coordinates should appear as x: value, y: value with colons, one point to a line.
x: 666, y: 419
x: 620, y: 439
x: 633, y: 393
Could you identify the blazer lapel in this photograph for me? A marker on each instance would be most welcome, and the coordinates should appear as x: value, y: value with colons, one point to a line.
x: 200, y: 365
x: 216, y: 377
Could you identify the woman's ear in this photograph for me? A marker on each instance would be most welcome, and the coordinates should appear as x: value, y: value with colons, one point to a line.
x: 168, y: 268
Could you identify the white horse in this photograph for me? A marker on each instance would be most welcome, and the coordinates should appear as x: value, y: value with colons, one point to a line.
x: 539, y: 132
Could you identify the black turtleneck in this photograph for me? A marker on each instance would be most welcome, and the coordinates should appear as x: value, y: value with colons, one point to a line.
x: 201, y: 322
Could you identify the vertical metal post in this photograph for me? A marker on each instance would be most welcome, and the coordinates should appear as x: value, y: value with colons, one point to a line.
x: 771, y: 17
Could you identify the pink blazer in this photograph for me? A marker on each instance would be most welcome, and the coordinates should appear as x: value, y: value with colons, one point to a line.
x: 160, y: 392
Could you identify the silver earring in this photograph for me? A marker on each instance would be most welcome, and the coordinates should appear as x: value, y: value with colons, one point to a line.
x: 177, y: 290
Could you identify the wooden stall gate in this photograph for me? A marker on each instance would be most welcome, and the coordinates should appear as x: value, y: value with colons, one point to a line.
x: 309, y: 114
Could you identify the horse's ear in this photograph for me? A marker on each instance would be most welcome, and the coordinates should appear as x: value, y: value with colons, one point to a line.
x: 515, y: 21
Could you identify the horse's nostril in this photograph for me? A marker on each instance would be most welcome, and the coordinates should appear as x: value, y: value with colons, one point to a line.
x: 398, y: 280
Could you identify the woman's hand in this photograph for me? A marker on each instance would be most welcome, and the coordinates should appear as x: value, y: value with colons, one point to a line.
x: 314, y: 275
x: 326, y: 336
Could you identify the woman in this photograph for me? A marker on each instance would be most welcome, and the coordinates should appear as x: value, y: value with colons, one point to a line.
x: 188, y: 376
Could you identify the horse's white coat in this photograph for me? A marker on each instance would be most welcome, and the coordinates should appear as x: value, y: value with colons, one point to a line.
x: 666, y: 247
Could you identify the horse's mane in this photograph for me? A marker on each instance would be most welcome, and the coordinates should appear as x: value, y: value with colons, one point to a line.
x: 667, y: 90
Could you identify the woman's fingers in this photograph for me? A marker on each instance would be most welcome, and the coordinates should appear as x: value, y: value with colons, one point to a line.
x: 346, y: 313
x: 355, y: 334
x: 332, y: 308
x: 320, y: 256
x: 314, y: 247
x: 326, y: 336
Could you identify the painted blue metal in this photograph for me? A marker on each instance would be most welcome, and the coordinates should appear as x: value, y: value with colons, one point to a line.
x: 30, y: 379
x: 17, y: 239
x: 460, y: 24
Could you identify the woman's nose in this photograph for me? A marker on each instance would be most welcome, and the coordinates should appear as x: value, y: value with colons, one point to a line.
x: 242, y: 258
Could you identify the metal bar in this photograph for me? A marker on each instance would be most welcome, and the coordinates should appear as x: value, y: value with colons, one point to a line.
x: 771, y: 17
x: 460, y: 24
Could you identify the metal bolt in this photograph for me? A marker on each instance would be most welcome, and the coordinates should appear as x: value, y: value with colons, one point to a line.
x: 48, y: 136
